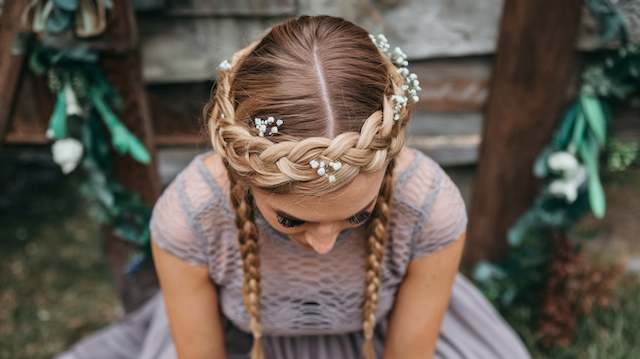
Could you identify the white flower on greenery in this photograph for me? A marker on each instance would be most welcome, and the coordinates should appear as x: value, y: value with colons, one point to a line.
x: 67, y: 153
x: 572, y: 175
x: 73, y: 108
x: 562, y: 161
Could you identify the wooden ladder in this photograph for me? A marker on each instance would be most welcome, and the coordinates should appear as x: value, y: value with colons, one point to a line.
x: 26, y: 104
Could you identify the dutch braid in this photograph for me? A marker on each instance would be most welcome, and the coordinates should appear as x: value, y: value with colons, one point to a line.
x: 249, y: 158
x: 270, y: 165
x: 375, y: 246
x: 241, y: 200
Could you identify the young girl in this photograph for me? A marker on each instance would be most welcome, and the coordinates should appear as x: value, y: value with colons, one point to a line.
x: 312, y: 231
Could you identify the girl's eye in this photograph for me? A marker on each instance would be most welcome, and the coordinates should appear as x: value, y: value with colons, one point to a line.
x: 289, y: 222
x: 360, y: 217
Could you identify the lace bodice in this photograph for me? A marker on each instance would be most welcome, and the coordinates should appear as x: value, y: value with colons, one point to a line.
x: 305, y: 293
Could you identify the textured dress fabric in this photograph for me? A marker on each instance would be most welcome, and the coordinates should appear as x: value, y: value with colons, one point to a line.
x: 311, y: 304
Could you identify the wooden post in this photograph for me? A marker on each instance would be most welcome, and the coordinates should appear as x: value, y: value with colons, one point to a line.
x: 123, y: 68
x: 532, y: 71
x: 11, y: 61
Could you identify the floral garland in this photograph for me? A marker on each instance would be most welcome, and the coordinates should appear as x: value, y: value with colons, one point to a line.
x: 86, y: 104
x: 569, y: 168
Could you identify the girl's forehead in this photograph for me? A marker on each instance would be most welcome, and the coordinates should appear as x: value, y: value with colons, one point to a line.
x: 341, y: 204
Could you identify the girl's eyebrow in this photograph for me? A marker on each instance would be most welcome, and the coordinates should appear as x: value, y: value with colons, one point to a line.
x: 285, y: 214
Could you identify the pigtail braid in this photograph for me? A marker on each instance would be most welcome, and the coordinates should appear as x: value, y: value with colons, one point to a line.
x: 375, y: 251
x: 242, y: 201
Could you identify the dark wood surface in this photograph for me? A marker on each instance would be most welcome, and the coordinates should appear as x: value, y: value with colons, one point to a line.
x: 528, y: 91
x: 11, y: 61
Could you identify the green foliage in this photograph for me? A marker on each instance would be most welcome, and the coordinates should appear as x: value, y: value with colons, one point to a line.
x: 622, y: 154
x: 121, y: 138
x: 74, y: 72
x: 514, y: 283
x: 58, y: 121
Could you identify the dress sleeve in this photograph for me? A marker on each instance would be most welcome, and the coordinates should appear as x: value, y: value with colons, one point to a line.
x: 173, y: 227
x: 443, y: 215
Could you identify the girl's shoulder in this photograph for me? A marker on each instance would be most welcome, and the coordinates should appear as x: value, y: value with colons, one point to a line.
x: 416, y: 175
x: 429, y: 211
x: 191, y: 208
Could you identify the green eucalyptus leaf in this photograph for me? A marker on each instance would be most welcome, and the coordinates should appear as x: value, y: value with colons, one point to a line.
x: 138, y: 151
x: 595, y: 117
x: 578, y: 132
x: 58, y: 121
x: 589, y: 152
x: 563, y: 133
x: 597, y: 197
x: 120, y: 138
x: 540, y: 167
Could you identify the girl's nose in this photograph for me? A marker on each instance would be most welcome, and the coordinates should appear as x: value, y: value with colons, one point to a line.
x: 322, y: 238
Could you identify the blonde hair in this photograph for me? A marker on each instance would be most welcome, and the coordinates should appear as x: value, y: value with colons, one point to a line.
x: 265, y: 79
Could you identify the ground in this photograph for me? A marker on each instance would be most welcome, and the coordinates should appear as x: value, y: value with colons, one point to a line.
x: 55, y: 286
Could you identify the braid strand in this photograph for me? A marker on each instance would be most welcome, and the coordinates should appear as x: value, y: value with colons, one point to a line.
x: 375, y: 251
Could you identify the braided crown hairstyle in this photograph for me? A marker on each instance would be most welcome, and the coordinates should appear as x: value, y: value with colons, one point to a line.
x: 331, y: 85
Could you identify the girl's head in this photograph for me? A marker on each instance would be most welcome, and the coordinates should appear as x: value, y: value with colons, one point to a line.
x: 333, y: 90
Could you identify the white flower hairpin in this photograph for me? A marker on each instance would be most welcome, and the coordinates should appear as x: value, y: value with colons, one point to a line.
x: 224, y: 65
x: 323, y: 171
x: 411, y: 86
x: 270, y: 122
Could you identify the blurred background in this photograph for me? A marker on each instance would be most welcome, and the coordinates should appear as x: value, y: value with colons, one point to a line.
x: 531, y: 107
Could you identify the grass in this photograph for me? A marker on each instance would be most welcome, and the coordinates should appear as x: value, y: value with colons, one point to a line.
x: 54, y: 282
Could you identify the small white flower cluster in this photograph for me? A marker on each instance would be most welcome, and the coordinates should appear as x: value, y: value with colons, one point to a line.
x: 224, y: 65
x: 321, y: 168
x: 411, y: 86
x: 67, y: 153
x: 261, y: 125
x: 572, y: 174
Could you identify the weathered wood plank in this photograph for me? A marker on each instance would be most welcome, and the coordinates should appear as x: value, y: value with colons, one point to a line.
x: 177, y: 112
x: 533, y: 67
x: 448, y: 150
x: 179, y: 48
x: 453, y: 84
x: 32, y: 109
x: 230, y: 8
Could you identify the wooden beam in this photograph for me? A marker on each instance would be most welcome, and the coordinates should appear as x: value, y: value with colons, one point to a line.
x: 231, y: 8
x: 12, y: 56
x: 124, y: 71
x: 528, y: 92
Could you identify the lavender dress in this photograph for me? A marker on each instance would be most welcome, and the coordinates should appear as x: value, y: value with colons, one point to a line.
x: 311, y: 303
